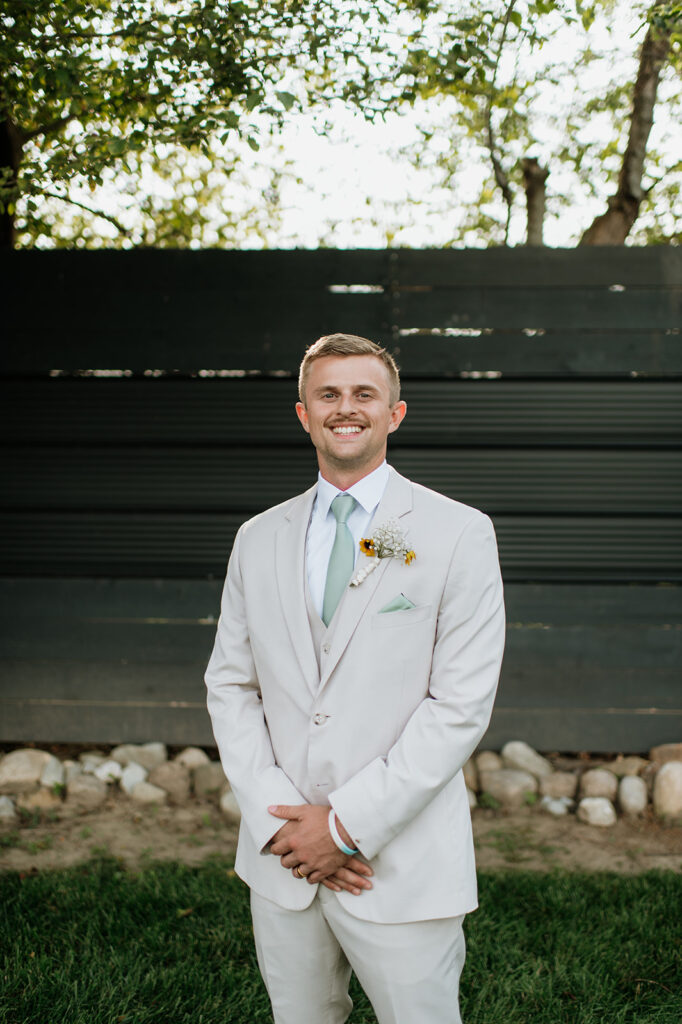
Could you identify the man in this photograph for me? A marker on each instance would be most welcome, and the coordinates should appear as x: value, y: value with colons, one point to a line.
x: 348, y: 685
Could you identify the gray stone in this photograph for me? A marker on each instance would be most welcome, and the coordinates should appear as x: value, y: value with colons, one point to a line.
x: 174, y: 778
x: 666, y: 752
x: 131, y: 775
x: 90, y: 759
x: 20, y: 770
x: 559, y: 784
x: 623, y: 766
x: 471, y: 797
x: 146, y: 793
x: 597, y: 810
x: 192, y: 757
x: 71, y: 770
x: 39, y: 800
x: 108, y: 771
x: 209, y: 779
x: 470, y: 774
x: 85, y: 793
x: 229, y: 806
x: 599, y: 782
x: 668, y: 791
x: 509, y: 786
x: 149, y: 755
x: 632, y: 795
x: 488, y: 761
x: 519, y: 755
x: 558, y: 806
x: 8, y: 813
x: 53, y: 773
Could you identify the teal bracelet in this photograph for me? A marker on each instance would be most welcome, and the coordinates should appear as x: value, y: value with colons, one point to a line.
x: 338, y: 841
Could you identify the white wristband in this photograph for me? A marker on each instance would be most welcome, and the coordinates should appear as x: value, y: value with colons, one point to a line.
x: 334, y: 832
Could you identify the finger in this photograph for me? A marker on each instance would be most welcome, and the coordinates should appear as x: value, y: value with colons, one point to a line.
x: 285, y: 811
x: 327, y: 882
x: 352, y: 878
x: 289, y: 860
x: 343, y: 883
x: 299, y: 872
x: 359, y: 866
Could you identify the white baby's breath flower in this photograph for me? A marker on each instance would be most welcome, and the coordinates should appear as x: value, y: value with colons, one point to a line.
x: 388, y: 542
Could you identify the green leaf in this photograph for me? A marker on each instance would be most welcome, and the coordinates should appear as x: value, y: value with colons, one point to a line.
x: 116, y: 146
x: 286, y: 99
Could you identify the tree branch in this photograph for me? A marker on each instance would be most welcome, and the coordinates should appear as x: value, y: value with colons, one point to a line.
x: 501, y: 177
x: 88, y: 209
x: 534, y: 177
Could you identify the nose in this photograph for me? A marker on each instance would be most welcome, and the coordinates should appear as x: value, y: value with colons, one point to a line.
x: 347, y: 404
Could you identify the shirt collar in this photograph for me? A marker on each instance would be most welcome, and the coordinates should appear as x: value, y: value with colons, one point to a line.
x: 368, y: 492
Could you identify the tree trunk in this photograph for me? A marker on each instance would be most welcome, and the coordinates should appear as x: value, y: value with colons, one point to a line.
x: 613, y: 227
x: 10, y: 157
x: 534, y: 178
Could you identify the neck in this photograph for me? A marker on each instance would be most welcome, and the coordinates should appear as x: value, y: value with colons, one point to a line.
x: 343, y: 477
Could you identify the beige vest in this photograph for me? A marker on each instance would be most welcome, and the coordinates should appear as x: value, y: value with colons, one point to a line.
x: 321, y: 634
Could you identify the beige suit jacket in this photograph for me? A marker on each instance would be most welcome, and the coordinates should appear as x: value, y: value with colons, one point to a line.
x: 403, y: 699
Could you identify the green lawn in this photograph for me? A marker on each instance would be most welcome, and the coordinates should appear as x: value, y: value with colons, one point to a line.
x: 170, y: 944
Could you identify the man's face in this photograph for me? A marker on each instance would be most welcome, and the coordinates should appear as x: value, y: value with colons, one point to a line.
x: 347, y: 413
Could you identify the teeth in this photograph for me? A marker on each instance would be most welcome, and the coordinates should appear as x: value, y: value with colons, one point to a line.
x: 347, y: 430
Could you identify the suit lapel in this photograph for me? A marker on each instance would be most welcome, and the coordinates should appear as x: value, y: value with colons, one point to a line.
x: 395, y: 504
x: 290, y: 569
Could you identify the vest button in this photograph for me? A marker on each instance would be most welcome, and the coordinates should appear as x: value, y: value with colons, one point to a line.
x: 319, y: 719
x: 326, y: 648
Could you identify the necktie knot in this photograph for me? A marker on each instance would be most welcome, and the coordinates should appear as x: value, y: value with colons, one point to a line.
x: 342, y: 506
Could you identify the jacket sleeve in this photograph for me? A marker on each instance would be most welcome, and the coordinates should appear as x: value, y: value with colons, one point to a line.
x: 445, y: 728
x: 236, y: 711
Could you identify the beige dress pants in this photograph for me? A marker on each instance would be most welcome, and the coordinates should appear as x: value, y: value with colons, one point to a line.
x: 410, y: 972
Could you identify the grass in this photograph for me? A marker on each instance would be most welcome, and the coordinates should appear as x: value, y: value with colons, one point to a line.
x: 172, y: 945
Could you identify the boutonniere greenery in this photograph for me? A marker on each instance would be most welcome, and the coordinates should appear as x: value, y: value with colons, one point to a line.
x: 388, y: 542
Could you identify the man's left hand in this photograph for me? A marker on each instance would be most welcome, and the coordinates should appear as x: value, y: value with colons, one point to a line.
x: 306, y: 844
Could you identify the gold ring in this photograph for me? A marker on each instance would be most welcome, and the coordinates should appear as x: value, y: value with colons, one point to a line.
x: 298, y: 871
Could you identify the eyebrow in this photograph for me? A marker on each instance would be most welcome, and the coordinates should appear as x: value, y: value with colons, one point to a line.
x: 334, y: 387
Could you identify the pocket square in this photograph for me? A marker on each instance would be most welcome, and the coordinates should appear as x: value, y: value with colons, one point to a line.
x: 397, y: 604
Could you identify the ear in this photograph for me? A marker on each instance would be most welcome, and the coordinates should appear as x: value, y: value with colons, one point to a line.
x: 303, y: 416
x: 397, y: 416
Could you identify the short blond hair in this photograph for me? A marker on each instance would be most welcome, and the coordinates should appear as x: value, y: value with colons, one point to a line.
x: 349, y: 345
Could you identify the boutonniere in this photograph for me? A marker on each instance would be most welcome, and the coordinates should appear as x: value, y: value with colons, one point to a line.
x: 387, y: 542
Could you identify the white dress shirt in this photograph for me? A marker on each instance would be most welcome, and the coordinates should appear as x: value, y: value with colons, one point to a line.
x: 367, y: 492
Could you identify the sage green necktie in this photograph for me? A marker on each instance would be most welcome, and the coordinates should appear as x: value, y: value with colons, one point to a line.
x: 342, y: 558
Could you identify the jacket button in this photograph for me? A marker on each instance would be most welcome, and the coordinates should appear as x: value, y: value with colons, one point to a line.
x: 319, y: 719
x: 326, y: 648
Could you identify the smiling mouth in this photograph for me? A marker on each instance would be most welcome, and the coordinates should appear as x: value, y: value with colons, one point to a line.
x: 347, y: 430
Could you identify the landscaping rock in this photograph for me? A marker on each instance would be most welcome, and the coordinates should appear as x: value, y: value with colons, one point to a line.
x: 597, y: 810
x: 131, y: 775
x: 470, y: 774
x: 174, y: 778
x: 599, y: 782
x: 91, y: 759
x: 509, y: 786
x: 558, y: 806
x: 52, y: 774
x: 558, y: 785
x: 146, y: 793
x: 488, y: 761
x: 85, y: 793
x: 209, y: 779
x: 627, y: 765
x: 39, y: 800
x: 519, y: 755
x: 229, y: 806
x: 148, y: 755
x: 8, y: 814
x: 668, y: 791
x: 471, y: 797
x: 20, y: 770
x: 632, y: 795
x: 192, y: 757
x: 71, y: 770
x: 666, y: 752
x: 108, y: 771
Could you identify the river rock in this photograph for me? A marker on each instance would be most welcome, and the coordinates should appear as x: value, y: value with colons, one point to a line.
x: 8, y: 814
x: 558, y: 785
x: 108, y: 771
x: 599, y: 782
x: 131, y: 775
x: 52, y: 774
x: 174, y: 778
x: 85, y: 793
x: 517, y: 754
x: 666, y: 752
x: 149, y: 755
x: 39, y: 800
x: 627, y: 765
x: 229, y: 806
x: 146, y: 793
x: 192, y: 757
x: 209, y: 779
x: 558, y: 806
x: 20, y: 770
x: 488, y: 761
x: 471, y: 797
x: 668, y: 791
x: 509, y: 786
x: 91, y: 759
x: 597, y: 810
x: 71, y: 770
x: 470, y: 774
x: 632, y: 795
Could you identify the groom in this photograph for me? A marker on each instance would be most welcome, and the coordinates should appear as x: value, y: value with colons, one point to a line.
x: 353, y: 673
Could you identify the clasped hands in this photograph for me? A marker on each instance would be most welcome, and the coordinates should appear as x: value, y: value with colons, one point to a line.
x: 305, y: 846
